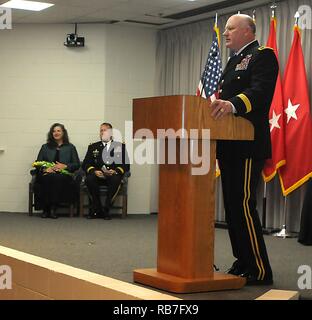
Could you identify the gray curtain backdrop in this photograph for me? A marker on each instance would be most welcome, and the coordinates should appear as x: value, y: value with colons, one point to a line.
x: 181, y: 56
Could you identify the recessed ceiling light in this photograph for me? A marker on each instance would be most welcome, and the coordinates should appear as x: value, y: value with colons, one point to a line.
x: 26, y: 5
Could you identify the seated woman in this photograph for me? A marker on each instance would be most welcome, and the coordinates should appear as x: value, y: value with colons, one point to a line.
x: 54, y: 183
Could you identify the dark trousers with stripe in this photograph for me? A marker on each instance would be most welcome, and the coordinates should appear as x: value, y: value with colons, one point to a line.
x: 113, y: 184
x: 240, y: 178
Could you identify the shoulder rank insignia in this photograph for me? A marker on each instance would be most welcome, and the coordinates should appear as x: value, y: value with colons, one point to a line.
x: 243, y: 65
x: 264, y: 47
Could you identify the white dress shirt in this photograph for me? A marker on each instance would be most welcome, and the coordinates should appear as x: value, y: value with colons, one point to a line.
x: 107, y: 143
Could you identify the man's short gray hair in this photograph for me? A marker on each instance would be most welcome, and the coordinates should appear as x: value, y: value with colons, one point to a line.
x: 252, y: 26
x: 249, y: 21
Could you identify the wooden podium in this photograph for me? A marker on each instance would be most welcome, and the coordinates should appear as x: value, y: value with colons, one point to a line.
x: 186, y: 216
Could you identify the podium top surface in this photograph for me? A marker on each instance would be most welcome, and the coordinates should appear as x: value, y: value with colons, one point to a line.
x: 186, y: 112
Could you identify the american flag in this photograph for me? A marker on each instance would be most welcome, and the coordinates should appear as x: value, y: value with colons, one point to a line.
x: 208, y: 83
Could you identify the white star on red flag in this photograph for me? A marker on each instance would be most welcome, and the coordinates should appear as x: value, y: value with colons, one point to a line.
x: 291, y: 111
x: 274, y: 121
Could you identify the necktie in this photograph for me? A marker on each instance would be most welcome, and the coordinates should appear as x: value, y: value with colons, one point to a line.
x: 105, y: 149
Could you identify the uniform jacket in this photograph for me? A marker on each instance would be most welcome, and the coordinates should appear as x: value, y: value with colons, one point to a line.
x: 116, y: 158
x: 68, y: 155
x: 248, y: 81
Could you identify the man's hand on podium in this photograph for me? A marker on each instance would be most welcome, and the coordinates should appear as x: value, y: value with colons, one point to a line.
x: 220, y: 108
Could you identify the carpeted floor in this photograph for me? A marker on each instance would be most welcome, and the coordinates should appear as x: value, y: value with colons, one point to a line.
x: 114, y: 248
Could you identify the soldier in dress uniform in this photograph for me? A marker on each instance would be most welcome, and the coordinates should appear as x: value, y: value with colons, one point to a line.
x: 246, y: 89
x: 105, y: 163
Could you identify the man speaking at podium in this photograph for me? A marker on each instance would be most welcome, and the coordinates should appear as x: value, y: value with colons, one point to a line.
x: 246, y: 89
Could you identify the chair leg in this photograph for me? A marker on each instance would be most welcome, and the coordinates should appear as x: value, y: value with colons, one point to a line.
x: 71, y: 210
x: 81, y: 204
x: 77, y: 208
x: 124, y: 206
x: 30, y: 202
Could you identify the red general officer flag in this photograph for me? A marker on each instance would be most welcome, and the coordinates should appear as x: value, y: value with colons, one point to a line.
x: 276, y: 117
x: 298, y: 123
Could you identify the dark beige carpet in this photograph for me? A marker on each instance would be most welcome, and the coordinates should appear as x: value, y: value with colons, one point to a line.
x: 114, y: 248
